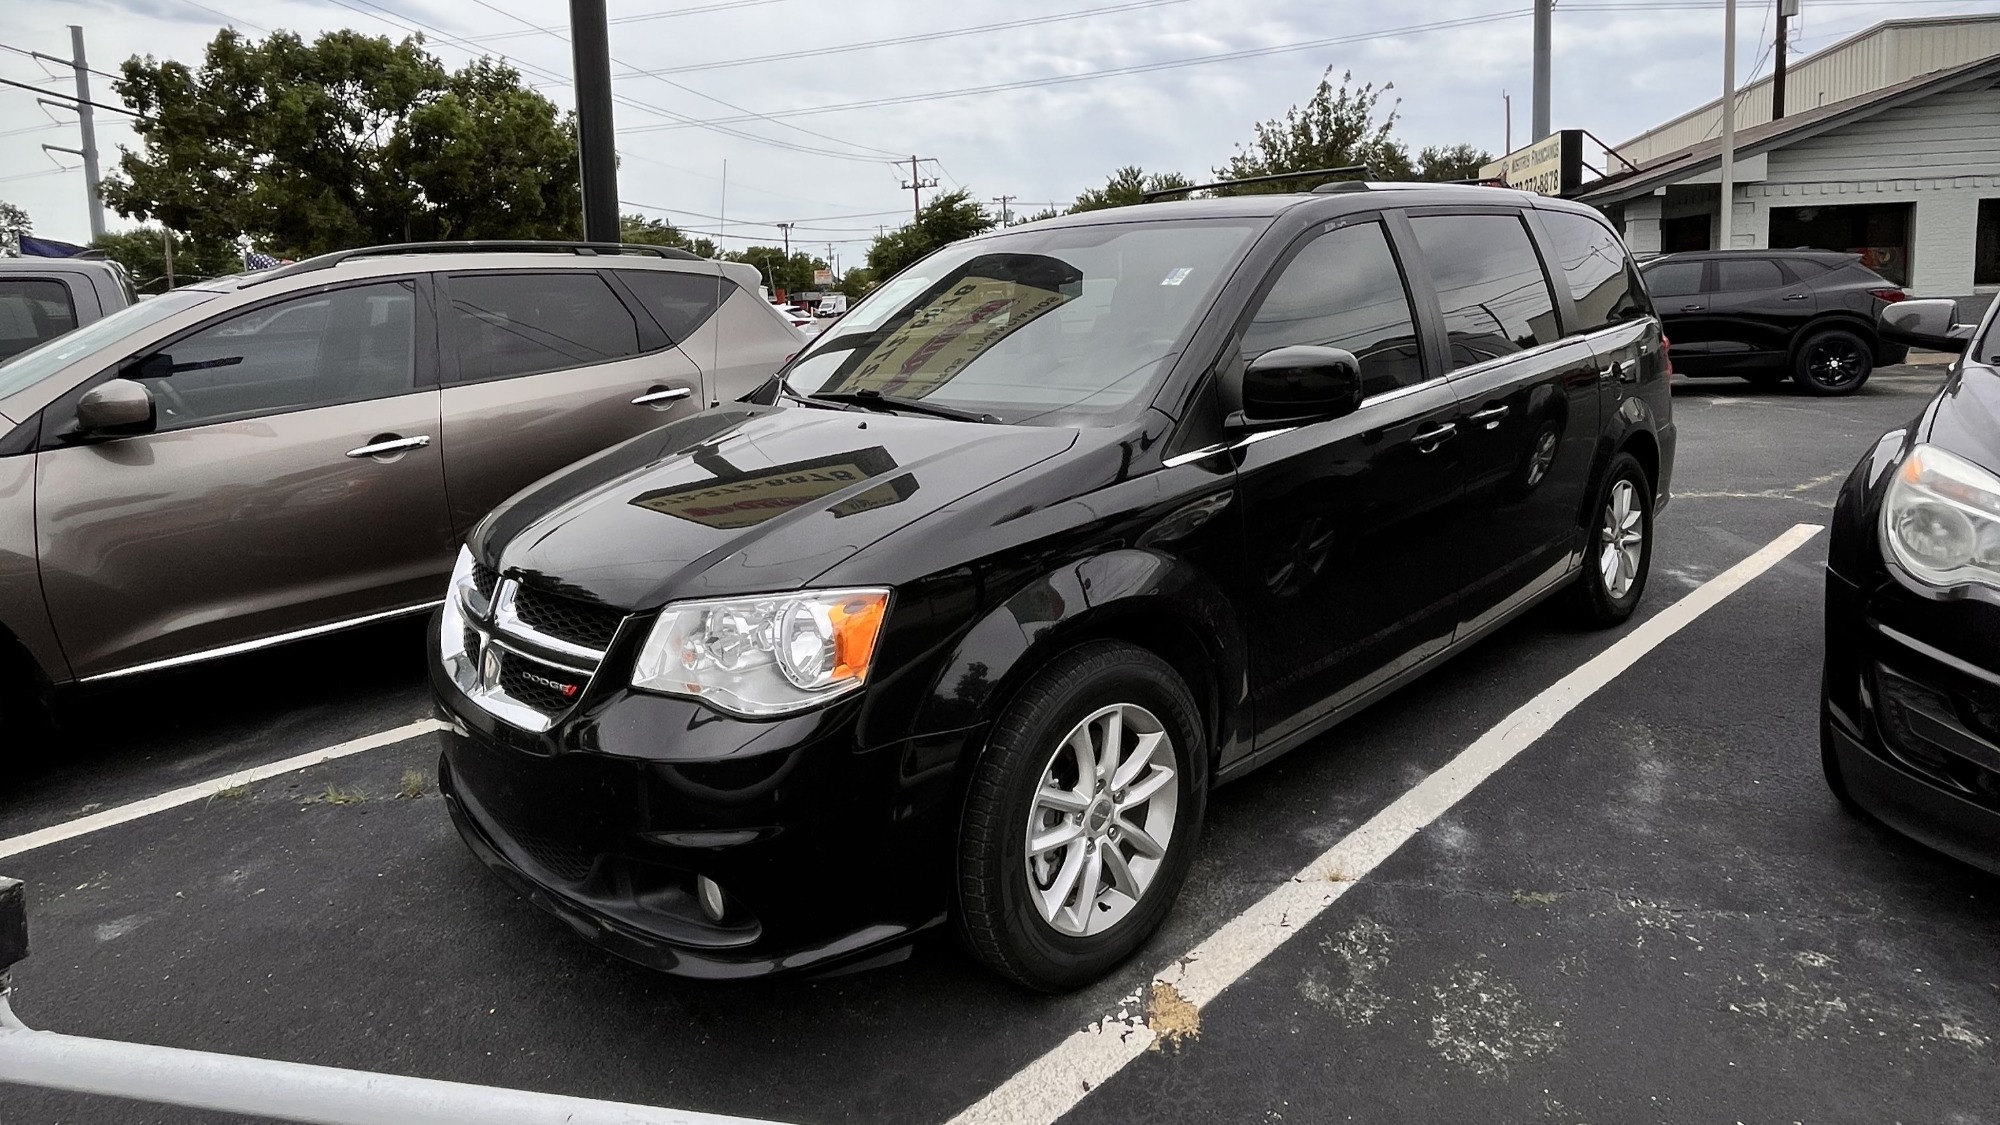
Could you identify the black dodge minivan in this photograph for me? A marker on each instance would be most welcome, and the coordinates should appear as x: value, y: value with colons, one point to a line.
x: 961, y: 617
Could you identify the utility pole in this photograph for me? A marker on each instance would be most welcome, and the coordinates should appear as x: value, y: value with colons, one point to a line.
x: 787, y: 228
x: 1507, y: 108
x: 597, y: 153
x: 916, y: 185
x: 1724, y: 239
x: 1006, y: 214
x: 1544, y: 17
x: 1786, y: 10
x: 88, y: 128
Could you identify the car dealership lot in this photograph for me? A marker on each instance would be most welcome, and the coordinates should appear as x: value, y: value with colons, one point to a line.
x: 1656, y: 913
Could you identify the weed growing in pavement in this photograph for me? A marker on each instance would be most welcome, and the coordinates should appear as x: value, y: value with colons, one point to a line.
x: 335, y: 795
x: 413, y: 785
x: 234, y: 792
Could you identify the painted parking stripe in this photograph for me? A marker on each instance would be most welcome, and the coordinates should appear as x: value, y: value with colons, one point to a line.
x: 201, y: 791
x: 1053, y: 1085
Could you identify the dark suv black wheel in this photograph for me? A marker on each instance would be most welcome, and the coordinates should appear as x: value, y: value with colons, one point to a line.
x: 1081, y: 817
x: 1832, y: 361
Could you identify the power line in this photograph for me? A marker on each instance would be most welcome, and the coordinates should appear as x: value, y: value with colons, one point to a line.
x: 639, y: 17
x: 57, y: 59
x: 226, y: 17
x: 926, y: 37
x: 1110, y: 72
x: 70, y: 98
x: 684, y: 89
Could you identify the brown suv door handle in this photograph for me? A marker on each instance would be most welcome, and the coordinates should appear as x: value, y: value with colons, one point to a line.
x: 386, y: 445
x: 1692, y: 308
x: 664, y: 394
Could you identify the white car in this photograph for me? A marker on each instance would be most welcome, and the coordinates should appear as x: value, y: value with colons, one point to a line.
x: 798, y: 316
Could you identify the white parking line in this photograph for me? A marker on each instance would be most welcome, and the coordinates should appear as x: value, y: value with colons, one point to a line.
x: 69, y: 830
x: 1052, y: 1085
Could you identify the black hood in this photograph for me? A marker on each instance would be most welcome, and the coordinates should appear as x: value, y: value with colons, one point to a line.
x: 1966, y: 417
x: 744, y: 499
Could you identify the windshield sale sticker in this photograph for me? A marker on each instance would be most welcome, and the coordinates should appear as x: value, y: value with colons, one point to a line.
x: 945, y: 336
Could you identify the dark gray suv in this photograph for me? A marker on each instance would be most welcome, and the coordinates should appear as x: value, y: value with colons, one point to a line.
x: 280, y: 454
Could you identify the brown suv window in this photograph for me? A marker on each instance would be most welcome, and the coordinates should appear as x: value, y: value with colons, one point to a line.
x: 1600, y: 273
x: 343, y: 345
x: 1490, y: 285
x: 681, y: 302
x: 32, y: 309
x: 513, y: 324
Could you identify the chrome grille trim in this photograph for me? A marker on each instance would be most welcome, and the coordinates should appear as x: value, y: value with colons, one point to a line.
x: 508, y: 622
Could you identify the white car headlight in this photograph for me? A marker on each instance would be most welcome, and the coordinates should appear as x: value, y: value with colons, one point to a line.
x: 768, y: 655
x: 1941, y: 519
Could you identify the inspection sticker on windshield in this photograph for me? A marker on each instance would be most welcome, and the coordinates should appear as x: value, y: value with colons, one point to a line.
x: 1177, y: 276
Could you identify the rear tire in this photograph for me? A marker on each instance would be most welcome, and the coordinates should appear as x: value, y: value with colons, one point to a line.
x: 1832, y: 362
x: 1059, y: 917
x: 1619, y: 553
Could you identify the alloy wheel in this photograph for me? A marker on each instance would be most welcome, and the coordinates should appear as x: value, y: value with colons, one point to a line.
x: 1101, y: 820
x: 1833, y: 363
x: 1622, y: 539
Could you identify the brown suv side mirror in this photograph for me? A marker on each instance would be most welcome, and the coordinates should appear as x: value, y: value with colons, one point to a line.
x: 1931, y: 323
x: 1301, y: 383
x: 116, y: 406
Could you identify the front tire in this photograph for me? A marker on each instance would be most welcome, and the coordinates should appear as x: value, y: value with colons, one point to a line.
x: 1619, y: 554
x: 1081, y: 817
x: 1833, y: 362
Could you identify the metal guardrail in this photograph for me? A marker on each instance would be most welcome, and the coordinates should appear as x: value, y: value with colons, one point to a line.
x: 283, y: 1091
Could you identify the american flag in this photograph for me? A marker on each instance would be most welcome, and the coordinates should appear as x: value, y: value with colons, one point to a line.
x: 253, y: 260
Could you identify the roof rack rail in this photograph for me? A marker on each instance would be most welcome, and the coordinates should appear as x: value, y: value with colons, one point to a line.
x: 1347, y: 170
x: 489, y: 246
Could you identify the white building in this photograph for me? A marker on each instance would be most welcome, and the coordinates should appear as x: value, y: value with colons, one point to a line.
x: 1890, y: 147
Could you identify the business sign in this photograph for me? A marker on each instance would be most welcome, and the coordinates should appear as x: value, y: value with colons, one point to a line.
x: 1550, y: 166
x: 822, y: 278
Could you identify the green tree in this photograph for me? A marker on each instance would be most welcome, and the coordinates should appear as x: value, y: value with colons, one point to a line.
x: 940, y: 222
x: 1457, y: 162
x: 793, y: 274
x: 349, y: 140
x: 643, y: 231
x: 14, y: 221
x: 1126, y: 186
x: 1338, y: 127
x: 143, y: 253
x: 856, y: 283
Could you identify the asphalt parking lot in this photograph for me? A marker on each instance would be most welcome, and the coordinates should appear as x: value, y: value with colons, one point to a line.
x: 1656, y: 912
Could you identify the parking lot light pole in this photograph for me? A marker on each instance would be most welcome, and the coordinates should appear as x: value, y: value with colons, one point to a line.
x: 597, y: 152
x: 1725, y: 238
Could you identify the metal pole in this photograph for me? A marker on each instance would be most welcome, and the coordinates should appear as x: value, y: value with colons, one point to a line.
x: 89, y: 129
x: 1507, y: 108
x: 597, y: 152
x: 167, y: 236
x: 1786, y: 10
x: 1724, y: 239
x: 787, y: 228
x: 1544, y: 17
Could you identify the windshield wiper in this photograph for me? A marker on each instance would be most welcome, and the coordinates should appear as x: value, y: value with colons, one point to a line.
x: 876, y: 400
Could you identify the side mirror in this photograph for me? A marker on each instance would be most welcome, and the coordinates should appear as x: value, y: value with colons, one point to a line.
x: 1301, y: 383
x: 117, y: 406
x: 1931, y: 323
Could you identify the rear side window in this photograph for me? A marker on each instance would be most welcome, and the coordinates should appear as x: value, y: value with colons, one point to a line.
x: 32, y: 310
x: 1674, y: 279
x: 681, y: 302
x: 513, y: 324
x: 1344, y: 291
x: 1491, y: 288
x: 1736, y: 274
x: 1599, y: 272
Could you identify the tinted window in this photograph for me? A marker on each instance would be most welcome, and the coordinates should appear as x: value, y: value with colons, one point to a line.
x: 1598, y: 271
x: 1490, y: 284
x: 1732, y: 274
x: 681, y: 302
x: 32, y: 310
x: 525, y: 323
x: 1674, y: 279
x: 1344, y: 291
x: 340, y: 346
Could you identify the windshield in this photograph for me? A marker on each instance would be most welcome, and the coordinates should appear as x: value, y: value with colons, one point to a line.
x: 49, y: 357
x: 1069, y: 326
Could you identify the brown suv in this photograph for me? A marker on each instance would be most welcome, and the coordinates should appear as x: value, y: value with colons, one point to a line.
x: 281, y: 454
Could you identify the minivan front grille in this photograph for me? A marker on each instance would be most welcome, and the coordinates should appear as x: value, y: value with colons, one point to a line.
x: 567, y: 619
x: 484, y: 579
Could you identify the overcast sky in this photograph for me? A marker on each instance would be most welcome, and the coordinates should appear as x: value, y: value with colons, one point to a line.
x: 1621, y: 66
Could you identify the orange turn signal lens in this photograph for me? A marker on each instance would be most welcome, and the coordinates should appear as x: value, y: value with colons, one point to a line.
x: 857, y: 624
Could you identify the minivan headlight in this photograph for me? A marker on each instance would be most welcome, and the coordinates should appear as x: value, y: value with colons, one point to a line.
x: 1941, y: 519
x: 763, y: 656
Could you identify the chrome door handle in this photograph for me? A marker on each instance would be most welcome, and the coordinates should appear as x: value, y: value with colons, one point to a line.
x: 667, y: 395
x: 1625, y: 371
x: 1431, y: 439
x: 1491, y: 415
x: 390, y: 445
x: 1692, y: 308
x: 1795, y: 296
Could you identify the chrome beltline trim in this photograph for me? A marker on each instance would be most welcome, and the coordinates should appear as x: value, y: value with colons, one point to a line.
x: 266, y: 642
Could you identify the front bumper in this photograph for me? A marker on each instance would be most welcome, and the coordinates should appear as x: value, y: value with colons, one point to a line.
x: 829, y: 855
x: 1911, y: 706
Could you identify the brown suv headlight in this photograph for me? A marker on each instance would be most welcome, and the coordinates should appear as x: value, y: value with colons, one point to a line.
x: 1941, y: 519
x: 763, y: 656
